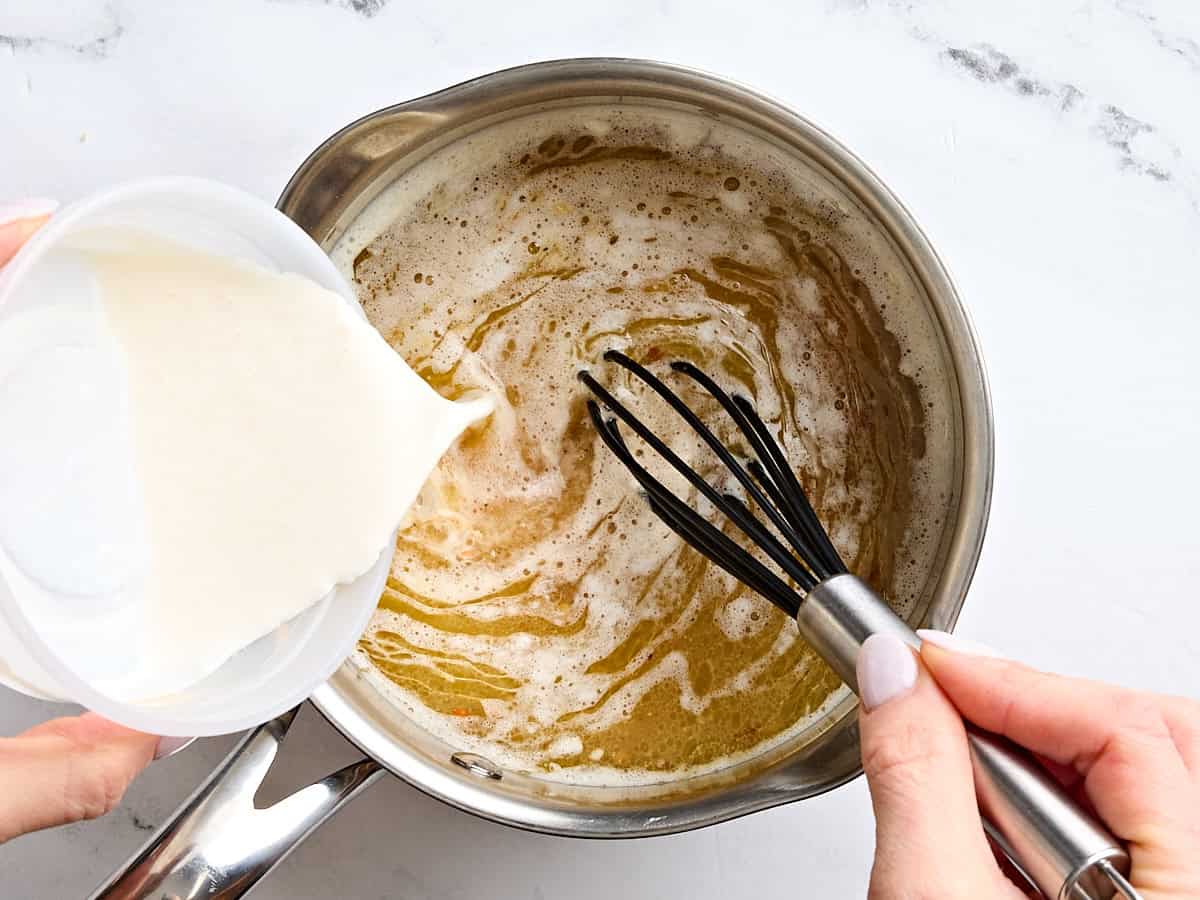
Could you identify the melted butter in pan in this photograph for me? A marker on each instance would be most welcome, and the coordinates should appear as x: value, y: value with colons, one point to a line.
x: 537, y: 612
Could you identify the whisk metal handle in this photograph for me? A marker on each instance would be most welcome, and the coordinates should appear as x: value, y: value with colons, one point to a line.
x: 1062, y: 849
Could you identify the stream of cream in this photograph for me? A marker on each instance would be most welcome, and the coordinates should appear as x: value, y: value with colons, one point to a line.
x: 278, y: 442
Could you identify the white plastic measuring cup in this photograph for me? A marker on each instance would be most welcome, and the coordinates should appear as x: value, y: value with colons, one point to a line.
x: 69, y: 541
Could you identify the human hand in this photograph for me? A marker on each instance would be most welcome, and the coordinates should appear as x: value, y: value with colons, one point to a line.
x: 67, y: 770
x: 18, y: 222
x: 75, y: 768
x: 1133, y: 758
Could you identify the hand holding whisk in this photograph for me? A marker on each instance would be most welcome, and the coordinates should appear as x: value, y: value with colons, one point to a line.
x: 1059, y: 847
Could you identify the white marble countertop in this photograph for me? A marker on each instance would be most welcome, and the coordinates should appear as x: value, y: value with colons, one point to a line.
x: 1050, y: 149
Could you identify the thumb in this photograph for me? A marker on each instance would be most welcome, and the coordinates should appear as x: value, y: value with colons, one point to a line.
x: 18, y: 222
x: 914, y: 751
x: 67, y: 770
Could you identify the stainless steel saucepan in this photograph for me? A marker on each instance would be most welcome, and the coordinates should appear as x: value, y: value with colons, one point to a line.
x: 218, y: 845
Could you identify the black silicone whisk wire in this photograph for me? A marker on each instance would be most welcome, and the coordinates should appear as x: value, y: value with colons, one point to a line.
x: 805, y: 555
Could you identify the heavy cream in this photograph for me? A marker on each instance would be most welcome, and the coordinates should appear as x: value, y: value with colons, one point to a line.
x: 276, y: 440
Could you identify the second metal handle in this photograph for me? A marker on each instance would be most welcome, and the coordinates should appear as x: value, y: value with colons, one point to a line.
x: 218, y: 844
x: 1062, y: 849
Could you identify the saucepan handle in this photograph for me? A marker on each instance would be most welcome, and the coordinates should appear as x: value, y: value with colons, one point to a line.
x: 218, y: 844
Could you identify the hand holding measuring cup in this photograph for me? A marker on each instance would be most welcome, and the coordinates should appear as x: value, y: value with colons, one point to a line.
x: 79, y: 573
x: 1132, y: 757
x: 76, y: 767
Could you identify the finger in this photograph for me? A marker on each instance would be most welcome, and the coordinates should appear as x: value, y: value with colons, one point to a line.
x: 67, y: 770
x: 1120, y: 741
x: 18, y: 222
x: 1010, y: 871
x: 1183, y: 718
x: 927, y: 826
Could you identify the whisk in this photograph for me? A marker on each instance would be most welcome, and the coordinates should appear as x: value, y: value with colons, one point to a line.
x: 1060, y: 848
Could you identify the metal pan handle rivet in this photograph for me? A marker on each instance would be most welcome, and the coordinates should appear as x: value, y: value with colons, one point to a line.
x: 477, y: 765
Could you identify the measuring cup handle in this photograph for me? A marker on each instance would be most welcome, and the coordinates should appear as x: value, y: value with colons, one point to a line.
x: 218, y: 845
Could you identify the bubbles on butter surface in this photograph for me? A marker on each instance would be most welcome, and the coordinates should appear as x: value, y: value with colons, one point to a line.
x: 582, y: 254
x: 739, y: 618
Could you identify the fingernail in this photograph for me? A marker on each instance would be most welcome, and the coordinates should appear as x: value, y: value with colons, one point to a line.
x: 169, y: 746
x: 948, y: 641
x: 32, y: 208
x: 886, y: 669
